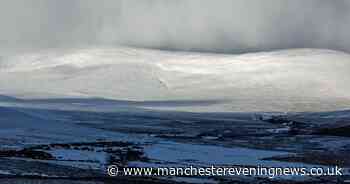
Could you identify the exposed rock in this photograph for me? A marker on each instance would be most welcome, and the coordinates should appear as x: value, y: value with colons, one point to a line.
x: 339, y: 129
x: 27, y: 153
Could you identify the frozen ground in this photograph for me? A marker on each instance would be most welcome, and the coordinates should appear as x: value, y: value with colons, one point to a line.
x: 67, y: 114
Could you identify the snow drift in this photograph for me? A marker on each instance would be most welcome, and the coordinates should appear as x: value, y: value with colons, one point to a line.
x: 287, y: 80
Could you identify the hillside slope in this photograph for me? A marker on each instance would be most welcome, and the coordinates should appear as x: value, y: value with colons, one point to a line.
x: 287, y: 80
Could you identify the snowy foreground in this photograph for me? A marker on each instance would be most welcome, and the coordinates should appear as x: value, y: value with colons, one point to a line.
x: 67, y: 114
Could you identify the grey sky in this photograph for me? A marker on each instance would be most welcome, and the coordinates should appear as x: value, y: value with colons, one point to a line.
x: 206, y: 25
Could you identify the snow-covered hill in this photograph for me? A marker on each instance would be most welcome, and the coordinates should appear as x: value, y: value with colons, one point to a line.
x: 287, y: 80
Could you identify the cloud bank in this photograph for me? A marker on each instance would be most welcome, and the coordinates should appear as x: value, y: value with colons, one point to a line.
x: 202, y: 25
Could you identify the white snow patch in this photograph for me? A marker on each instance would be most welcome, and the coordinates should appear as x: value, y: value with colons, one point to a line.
x: 5, y: 173
x: 79, y: 155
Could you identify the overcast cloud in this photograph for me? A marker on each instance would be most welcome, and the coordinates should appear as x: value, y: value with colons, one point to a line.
x: 205, y: 25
